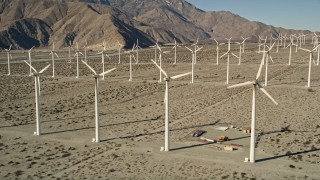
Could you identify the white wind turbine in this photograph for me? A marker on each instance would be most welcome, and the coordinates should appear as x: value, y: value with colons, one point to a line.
x: 166, y: 96
x: 137, y: 50
x: 96, y: 77
x: 192, y: 63
x: 243, y: 43
x: 36, y: 75
x: 285, y: 40
x: 29, y: 52
x: 196, y: 49
x: 228, y: 61
x: 102, y: 57
x: 310, y: 63
x: 240, y: 53
x: 85, y: 51
x: 175, y: 51
x: 69, y: 48
x: 9, y: 57
x: 77, y: 55
x: 290, y: 51
x: 160, y: 60
x: 256, y: 85
x: 266, y: 57
x: 53, y: 53
x: 217, y: 50
x: 131, y: 56
x: 119, y: 51
x: 155, y: 50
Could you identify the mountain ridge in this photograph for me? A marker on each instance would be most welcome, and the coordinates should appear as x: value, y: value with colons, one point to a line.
x: 25, y: 23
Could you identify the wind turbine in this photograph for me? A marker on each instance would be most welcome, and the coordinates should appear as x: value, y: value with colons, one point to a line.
x: 175, y: 51
x: 85, y: 51
x: 240, y: 51
x: 228, y: 54
x: 96, y: 77
x: 137, y: 47
x: 285, y: 40
x: 77, y: 55
x: 255, y: 85
x: 119, y: 50
x: 166, y: 96
x: 69, y: 47
x: 290, y: 51
x: 217, y: 50
x: 53, y: 53
x: 102, y: 56
x: 266, y: 56
x: 196, y: 49
x: 36, y: 75
x: 131, y: 56
x: 160, y: 60
x: 30, y: 59
x: 310, y: 63
x: 192, y: 63
x: 243, y: 43
x: 9, y: 57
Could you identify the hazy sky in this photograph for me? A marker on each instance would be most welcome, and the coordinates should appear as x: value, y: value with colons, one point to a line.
x: 290, y: 14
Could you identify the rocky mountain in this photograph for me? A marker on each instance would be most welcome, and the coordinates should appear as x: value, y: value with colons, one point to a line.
x: 27, y: 23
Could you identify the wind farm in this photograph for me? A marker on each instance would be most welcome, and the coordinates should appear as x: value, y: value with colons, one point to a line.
x: 208, y: 108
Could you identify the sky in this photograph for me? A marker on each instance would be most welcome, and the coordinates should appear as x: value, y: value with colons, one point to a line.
x: 289, y: 14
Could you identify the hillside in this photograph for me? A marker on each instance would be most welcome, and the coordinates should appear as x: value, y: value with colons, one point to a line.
x: 25, y: 23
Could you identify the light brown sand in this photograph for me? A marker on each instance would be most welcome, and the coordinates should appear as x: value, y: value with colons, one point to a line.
x: 132, y: 120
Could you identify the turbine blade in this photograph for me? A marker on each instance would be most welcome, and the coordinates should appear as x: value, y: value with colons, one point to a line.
x: 267, y: 94
x: 189, y: 49
x: 180, y: 75
x: 104, y: 73
x: 134, y: 58
x: 89, y: 67
x: 10, y: 47
x: 314, y: 49
x: 199, y: 49
x: 235, y: 55
x: 305, y: 49
x: 108, y: 56
x: 159, y: 47
x: 224, y: 54
x: 241, y: 84
x: 271, y: 59
x: 133, y: 47
x: 56, y: 55
x: 45, y: 68
x: 163, y: 72
x: 31, y: 48
x: 272, y: 46
x: 31, y: 67
x: 260, y: 68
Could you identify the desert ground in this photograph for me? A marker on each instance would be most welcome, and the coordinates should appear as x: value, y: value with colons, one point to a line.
x: 132, y: 118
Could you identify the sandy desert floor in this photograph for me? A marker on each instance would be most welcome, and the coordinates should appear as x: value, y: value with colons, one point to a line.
x: 132, y: 119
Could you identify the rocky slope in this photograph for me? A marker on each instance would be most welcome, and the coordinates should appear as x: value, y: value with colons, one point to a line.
x: 27, y: 23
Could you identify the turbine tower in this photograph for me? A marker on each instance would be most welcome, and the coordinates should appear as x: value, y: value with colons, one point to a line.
x: 255, y: 85
x: 9, y: 57
x: 53, y: 53
x: 36, y: 75
x: 96, y: 77
x: 167, y: 79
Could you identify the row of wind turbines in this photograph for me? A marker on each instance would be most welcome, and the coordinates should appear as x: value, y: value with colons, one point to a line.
x: 255, y: 83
